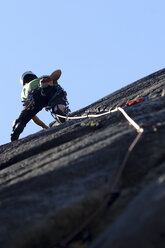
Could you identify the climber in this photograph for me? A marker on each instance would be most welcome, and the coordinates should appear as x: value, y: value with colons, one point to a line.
x: 38, y: 93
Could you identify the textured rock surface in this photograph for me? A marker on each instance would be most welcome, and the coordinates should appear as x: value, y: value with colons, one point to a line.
x: 142, y: 223
x: 52, y: 180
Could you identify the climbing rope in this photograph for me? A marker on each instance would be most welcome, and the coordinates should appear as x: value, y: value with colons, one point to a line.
x: 114, y: 192
x: 131, y: 121
x: 87, y: 115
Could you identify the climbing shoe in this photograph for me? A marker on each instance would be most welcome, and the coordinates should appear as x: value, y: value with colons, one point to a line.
x: 17, y: 129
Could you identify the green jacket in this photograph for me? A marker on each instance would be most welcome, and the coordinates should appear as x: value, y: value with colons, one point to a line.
x: 30, y: 87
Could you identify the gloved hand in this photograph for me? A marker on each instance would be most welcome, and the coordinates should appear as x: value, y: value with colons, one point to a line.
x: 45, y: 82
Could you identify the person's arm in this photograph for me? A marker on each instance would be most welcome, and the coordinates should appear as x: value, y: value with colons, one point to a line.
x: 37, y: 121
x: 55, y: 75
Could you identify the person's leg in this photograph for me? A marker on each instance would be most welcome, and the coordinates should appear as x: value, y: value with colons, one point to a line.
x: 28, y: 113
x: 25, y: 116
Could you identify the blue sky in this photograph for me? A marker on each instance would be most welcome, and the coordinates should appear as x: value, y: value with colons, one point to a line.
x: 100, y: 46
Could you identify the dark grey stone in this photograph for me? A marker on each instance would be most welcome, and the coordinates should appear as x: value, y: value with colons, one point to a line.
x: 51, y: 181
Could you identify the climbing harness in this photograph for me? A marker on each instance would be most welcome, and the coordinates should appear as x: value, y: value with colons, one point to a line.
x: 58, y: 105
x: 57, y: 111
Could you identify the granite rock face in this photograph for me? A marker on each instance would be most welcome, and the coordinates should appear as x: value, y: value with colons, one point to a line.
x: 51, y: 181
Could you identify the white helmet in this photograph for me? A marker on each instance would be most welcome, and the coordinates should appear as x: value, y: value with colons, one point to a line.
x: 27, y: 77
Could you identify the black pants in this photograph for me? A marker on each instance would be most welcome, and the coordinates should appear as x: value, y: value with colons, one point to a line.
x: 41, y: 99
